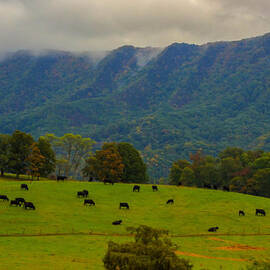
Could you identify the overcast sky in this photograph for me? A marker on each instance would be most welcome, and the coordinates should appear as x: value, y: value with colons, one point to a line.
x: 83, y: 25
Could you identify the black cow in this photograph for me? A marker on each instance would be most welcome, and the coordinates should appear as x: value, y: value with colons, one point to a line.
x: 81, y: 194
x: 24, y: 186
x: 106, y: 181
x: 123, y: 204
x: 226, y: 188
x: 213, y: 229
x: 117, y: 222
x: 89, y: 202
x: 14, y: 202
x: 20, y: 200
x: 29, y: 205
x: 136, y: 188
x: 4, y: 198
x: 85, y: 193
x: 61, y: 177
x: 154, y: 188
x: 206, y: 186
x: 171, y: 201
x: 261, y: 212
x: 241, y: 213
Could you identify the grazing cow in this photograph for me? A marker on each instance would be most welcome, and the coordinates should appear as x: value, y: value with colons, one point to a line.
x: 89, y: 202
x: 123, y: 204
x: 213, y: 229
x: 14, y: 202
x: 29, y: 205
x: 171, y: 201
x: 24, y: 186
x: 261, y: 212
x: 20, y: 200
x: 154, y: 188
x: 206, y: 186
x: 4, y: 198
x: 136, y: 188
x: 226, y: 188
x: 117, y: 222
x: 241, y: 213
x: 106, y: 181
x: 81, y: 194
x: 85, y: 193
x: 61, y: 177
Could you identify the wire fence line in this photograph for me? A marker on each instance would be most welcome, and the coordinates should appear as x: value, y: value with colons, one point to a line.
x: 41, y: 233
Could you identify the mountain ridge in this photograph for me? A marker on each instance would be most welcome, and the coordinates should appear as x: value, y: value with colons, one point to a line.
x: 167, y: 102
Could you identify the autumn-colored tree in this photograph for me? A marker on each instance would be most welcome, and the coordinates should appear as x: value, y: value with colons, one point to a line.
x: 197, y: 158
x: 49, y: 155
x: 238, y: 184
x: 35, y: 161
x: 107, y: 163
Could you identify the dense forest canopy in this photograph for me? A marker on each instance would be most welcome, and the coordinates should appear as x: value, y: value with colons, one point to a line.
x: 183, y: 98
x: 233, y: 170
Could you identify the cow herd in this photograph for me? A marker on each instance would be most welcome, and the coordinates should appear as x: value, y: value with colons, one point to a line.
x: 123, y: 205
x: 19, y: 201
x: 89, y: 202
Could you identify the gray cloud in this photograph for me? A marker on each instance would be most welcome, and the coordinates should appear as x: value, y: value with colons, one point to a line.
x: 81, y: 25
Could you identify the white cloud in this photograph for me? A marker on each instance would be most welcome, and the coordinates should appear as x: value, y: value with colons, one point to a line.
x: 80, y: 25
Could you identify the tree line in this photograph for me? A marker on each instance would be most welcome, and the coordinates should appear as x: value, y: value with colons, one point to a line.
x: 70, y: 155
x: 239, y: 170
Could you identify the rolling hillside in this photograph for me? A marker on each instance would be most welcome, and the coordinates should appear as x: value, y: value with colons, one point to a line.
x: 62, y: 233
x: 167, y: 102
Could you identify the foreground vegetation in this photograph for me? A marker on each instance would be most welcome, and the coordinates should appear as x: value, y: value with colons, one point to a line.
x: 58, y: 210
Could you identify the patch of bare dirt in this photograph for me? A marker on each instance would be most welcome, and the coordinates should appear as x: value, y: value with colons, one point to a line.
x: 178, y: 252
x: 240, y: 247
x: 234, y: 246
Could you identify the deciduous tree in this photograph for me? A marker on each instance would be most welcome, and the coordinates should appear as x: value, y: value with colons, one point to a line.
x: 134, y: 168
x: 150, y: 251
x: 35, y: 161
x: 49, y: 156
x: 20, y: 147
x: 72, y: 148
x: 4, y: 152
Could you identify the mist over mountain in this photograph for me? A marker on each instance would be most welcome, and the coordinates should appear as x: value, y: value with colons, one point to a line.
x: 167, y: 102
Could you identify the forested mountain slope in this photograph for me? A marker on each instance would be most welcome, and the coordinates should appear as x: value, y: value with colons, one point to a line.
x: 167, y: 103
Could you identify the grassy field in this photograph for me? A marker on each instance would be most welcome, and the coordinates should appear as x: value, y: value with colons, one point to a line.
x: 32, y: 239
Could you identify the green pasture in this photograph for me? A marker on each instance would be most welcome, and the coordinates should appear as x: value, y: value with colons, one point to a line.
x: 88, y: 229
